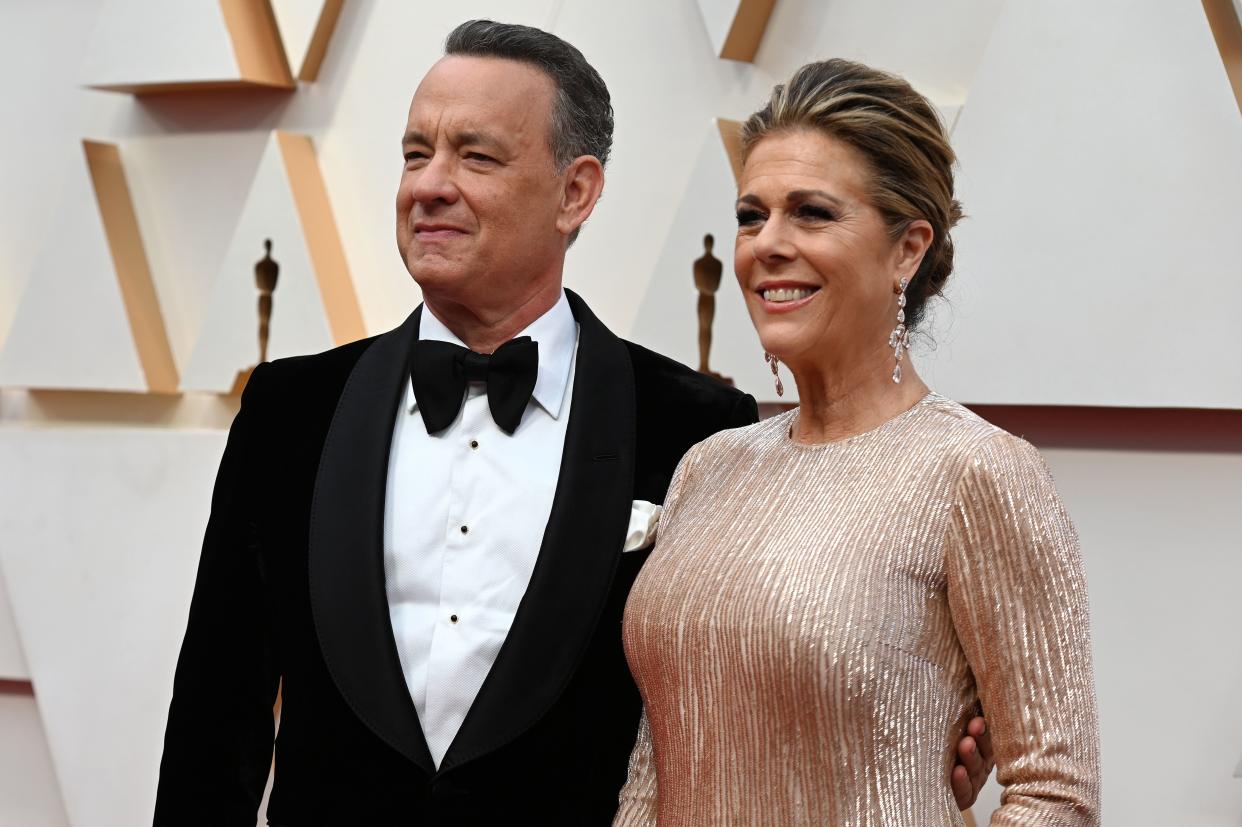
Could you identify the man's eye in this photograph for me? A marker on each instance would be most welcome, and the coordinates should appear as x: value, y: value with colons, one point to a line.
x: 479, y: 156
x: 414, y: 155
x: 748, y: 217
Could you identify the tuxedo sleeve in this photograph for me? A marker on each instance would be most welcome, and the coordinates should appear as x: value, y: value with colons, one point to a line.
x: 218, y: 743
x: 745, y: 412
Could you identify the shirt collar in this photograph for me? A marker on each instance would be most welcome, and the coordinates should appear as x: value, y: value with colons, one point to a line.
x: 556, y: 331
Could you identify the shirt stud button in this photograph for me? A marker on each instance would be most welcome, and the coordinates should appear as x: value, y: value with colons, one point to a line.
x: 465, y: 529
x: 474, y: 445
x: 453, y: 618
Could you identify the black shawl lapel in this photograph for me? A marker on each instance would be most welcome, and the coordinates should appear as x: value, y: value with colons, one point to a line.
x: 579, y: 555
x: 348, y: 597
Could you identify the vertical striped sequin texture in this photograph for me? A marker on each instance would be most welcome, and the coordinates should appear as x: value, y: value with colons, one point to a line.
x: 818, y: 622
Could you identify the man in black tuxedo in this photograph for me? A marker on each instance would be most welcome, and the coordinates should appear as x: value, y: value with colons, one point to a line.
x: 418, y: 538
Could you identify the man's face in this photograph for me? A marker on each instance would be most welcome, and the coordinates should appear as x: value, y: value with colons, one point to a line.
x: 479, y: 194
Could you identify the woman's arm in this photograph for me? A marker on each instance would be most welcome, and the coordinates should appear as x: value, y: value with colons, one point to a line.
x: 1018, y: 597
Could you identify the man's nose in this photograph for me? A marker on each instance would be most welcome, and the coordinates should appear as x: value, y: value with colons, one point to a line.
x: 434, y: 182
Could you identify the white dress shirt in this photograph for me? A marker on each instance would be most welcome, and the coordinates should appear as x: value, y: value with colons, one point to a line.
x: 464, y: 517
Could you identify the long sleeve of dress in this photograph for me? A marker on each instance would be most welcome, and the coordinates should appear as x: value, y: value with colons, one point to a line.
x: 1018, y: 598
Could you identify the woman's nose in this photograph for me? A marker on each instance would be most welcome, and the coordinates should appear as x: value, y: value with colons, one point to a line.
x: 771, y: 244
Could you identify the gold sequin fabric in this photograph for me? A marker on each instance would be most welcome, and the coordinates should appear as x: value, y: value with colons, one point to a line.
x: 817, y: 623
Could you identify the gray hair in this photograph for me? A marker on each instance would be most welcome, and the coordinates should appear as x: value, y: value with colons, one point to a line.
x: 582, y: 108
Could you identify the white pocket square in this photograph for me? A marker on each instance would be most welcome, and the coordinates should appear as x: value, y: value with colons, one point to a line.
x: 644, y: 518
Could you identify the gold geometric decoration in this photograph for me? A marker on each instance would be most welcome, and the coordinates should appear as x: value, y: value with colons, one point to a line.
x: 1223, y: 18
x: 323, y: 241
x: 731, y: 135
x: 318, y: 47
x: 142, y: 306
x: 736, y: 28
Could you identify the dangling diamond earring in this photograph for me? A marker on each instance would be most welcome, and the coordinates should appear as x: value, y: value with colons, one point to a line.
x: 899, y: 339
x: 772, y: 363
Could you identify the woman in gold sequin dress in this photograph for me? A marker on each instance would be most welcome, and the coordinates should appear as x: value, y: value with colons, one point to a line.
x: 836, y: 589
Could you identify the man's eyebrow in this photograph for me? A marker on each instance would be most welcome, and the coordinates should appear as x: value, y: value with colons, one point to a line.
x: 414, y: 136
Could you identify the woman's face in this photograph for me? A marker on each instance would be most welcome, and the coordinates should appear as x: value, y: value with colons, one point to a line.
x: 814, y: 259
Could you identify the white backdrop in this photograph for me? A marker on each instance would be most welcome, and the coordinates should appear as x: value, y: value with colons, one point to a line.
x: 1101, y: 153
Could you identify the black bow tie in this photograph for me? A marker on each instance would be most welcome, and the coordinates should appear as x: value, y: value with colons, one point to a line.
x: 440, y: 371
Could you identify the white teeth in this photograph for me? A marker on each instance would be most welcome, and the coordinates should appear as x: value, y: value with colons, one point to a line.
x: 786, y: 294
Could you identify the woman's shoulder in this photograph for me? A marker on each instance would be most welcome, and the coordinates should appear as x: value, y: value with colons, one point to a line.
x: 979, y: 446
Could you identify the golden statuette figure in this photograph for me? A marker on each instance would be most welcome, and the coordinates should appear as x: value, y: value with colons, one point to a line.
x: 707, y: 272
x: 266, y: 273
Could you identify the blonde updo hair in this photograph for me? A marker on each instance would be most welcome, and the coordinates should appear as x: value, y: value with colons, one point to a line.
x: 901, y: 138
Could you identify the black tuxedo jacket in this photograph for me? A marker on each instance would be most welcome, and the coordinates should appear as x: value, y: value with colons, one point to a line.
x: 291, y: 595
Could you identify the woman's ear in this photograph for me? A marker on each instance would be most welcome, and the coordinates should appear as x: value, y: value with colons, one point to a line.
x: 913, y: 246
x: 584, y: 183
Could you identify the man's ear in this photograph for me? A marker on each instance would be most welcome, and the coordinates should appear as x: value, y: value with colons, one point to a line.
x: 584, y: 183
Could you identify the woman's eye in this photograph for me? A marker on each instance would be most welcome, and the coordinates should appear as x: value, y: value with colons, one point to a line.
x: 815, y: 212
x: 748, y: 217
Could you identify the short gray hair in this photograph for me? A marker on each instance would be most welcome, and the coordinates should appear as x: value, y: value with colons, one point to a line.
x: 581, y: 110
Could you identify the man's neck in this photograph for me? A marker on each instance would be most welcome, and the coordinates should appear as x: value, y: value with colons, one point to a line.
x: 485, y: 329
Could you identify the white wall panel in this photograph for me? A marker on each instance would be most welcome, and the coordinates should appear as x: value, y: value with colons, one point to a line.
x: 71, y: 329
x: 228, y: 341
x: 38, y: 45
x: 1101, y: 170
x: 102, y: 530
x: 149, y: 41
x: 12, y: 661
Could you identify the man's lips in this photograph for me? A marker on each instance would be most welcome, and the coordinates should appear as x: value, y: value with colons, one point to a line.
x: 431, y: 231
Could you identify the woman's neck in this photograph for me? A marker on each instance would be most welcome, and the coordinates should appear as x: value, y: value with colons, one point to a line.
x: 838, y: 404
